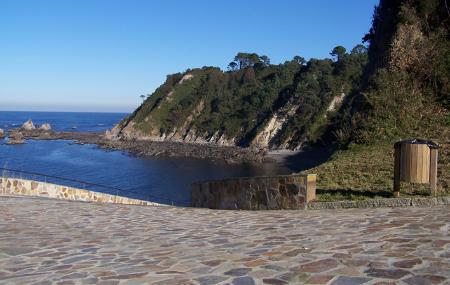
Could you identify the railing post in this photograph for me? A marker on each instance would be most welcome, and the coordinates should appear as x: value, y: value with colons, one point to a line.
x: 397, y: 157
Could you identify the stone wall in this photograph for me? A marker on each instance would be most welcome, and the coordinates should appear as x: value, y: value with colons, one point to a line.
x: 255, y: 193
x: 15, y: 186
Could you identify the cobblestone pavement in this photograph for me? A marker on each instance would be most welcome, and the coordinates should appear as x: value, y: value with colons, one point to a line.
x: 60, y: 242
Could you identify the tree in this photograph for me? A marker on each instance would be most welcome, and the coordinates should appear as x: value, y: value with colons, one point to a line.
x: 232, y: 66
x: 299, y: 59
x: 359, y: 49
x: 142, y: 97
x: 265, y: 60
x: 246, y: 59
x: 338, y: 52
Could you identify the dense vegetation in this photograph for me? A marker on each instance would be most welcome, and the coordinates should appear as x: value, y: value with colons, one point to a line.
x: 405, y: 93
x: 239, y: 103
x: 406, y: 84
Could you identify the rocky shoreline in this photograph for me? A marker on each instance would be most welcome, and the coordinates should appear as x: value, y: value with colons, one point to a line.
x: 141, y: 147
x: 177, y: 149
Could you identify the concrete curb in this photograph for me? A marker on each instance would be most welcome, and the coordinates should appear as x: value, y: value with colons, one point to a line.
x: 381, y: 203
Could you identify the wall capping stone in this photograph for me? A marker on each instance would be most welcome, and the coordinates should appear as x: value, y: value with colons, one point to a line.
x: 24, y: 187
x: 255, y: 177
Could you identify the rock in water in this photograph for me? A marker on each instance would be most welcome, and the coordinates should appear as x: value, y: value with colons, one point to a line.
x: 2, y: 133
x: 45, y: 127
x: 28, y: 126
x: 14, y: 141
x: 112, y: 134
x: 15, y: 137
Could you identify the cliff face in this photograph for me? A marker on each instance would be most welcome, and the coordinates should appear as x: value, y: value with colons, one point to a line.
x: 262, y: 105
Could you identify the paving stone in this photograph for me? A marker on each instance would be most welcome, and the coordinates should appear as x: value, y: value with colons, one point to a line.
x: 46, y: 282
x: 50, y: 240
x: 274, y: 281
x: 212, y: 262
x: 273, y: 267
x: 344, y: 280
x: 17, y: 250
x: 238, y: 271
x: 209, y: 280
x: 65, y: 282
x: 255, y: 263
x: 125, y: 276
x: 108, y: 282
x: 74, y: 275
x: 90, y: 280
x: 424, y: 280
x: 243, y: 281
x: 409, y: 263
x: 319, y: 279
x: 319, y: 266
x: 171, y: 281
x: 387, y: 273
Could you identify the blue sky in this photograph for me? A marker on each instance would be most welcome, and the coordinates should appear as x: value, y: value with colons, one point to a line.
x: 100, y: 55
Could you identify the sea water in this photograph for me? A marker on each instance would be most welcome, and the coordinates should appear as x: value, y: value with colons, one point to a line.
x: 165, y: 180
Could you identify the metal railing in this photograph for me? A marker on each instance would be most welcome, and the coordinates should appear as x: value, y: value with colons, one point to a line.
x: 112, y: 190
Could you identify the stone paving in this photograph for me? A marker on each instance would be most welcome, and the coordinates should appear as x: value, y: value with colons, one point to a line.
x: 46, y: 241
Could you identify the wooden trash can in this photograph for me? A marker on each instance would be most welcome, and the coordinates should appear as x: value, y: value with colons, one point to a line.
x: 415, y: 162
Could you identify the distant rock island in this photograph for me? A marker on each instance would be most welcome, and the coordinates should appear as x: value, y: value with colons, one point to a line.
x: 18, y: 136
x: 15, y: 137
x: 45, y: 127
x: 28, y: 125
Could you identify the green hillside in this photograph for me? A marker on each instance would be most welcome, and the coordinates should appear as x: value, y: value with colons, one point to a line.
x: 405, y: 93
x: 254, y: 103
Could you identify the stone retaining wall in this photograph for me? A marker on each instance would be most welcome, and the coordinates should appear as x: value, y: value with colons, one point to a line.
x: 15, y: 186
x: 255, y: 193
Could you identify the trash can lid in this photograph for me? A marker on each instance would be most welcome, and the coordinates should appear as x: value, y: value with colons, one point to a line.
x: 431, y: 144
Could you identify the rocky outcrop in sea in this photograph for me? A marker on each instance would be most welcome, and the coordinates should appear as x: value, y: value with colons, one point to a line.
x: 45, y: 127
x: 29, y: 130
x: 15, y: 137
x: 28, y: 126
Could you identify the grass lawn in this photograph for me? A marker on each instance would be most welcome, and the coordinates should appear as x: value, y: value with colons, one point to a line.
x: 364, y: 172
